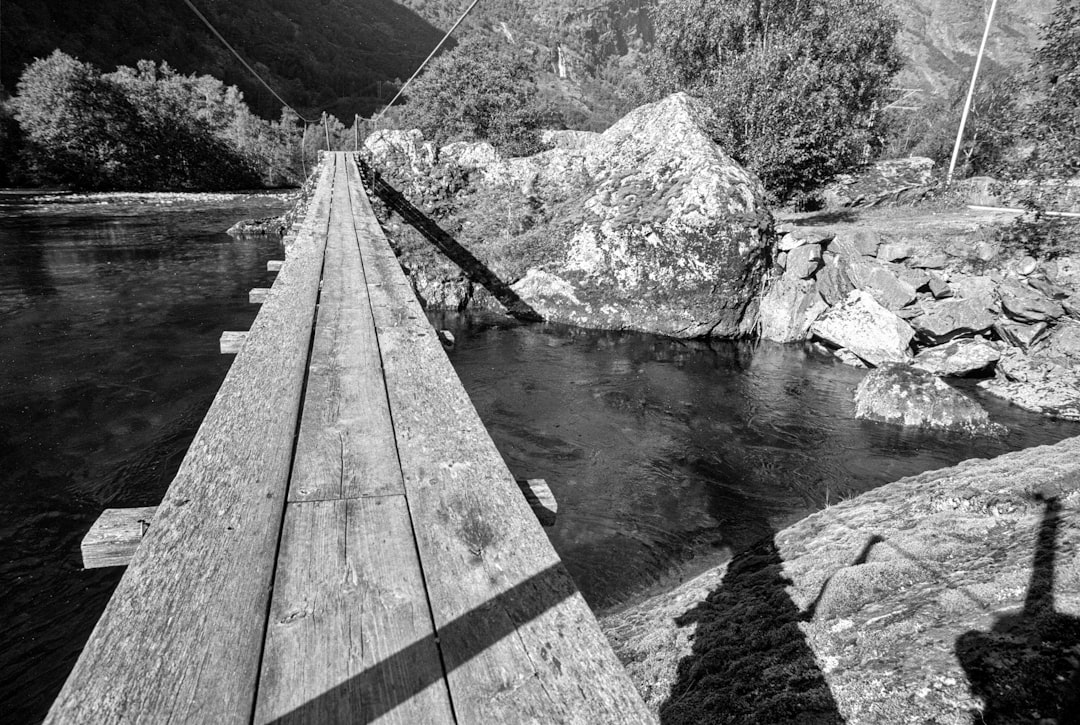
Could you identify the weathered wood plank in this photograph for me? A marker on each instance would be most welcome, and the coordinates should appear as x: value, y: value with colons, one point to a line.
x: 518, y: 641
x: 114, y: 537
x: 346, y: 443
x: 275, y: 265
x: 181, y: 638
x: 232, y: 341
x: 258, y: 295
x: 350, y: 637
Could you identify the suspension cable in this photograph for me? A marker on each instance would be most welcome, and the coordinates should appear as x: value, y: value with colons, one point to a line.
x: 245, y: 63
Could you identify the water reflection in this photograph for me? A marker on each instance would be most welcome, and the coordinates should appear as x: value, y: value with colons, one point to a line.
x: 666, y: 456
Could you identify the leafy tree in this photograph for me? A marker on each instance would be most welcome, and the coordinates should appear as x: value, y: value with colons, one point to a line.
x: 484, y: 89
x: 79, y: 126
x: 794, y: 85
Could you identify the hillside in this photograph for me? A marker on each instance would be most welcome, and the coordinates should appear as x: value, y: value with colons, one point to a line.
x: 334, y: 55
x: 339, y: 55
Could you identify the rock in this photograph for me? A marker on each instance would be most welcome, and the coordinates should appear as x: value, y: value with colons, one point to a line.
x: 798, y: 236
x: 1071, y: 305
x: 787, y: 310
x: 939, y: 288
x: 908, y: 396
x: 833, y: 283
x: 265, y: 226
x: 979, y: 190
x: 1018, y: 334
x: 469, y: 154
x: 942, y: 321
x: 1048, y: 288
x: 894, y: 251
x: 892, y: 181
x: 851, y: 244
x: 917, y: 278
x: 656, y: 228
x: 978, y: 289
x: 1026, y: 266
x: 564, y: 139
x: 401, y: 149
x: 447, y: 338
x: 1056, y: 398
x: 866, y: 328
x: 929, y: 260
x: 849, y: 358
x: 984, y: 251
x: 1024, y: 304
x: 1061, y: 346
x: 803, y: 261
x: 781, y: 260
x: 959, y: 357
x: 879, y: 281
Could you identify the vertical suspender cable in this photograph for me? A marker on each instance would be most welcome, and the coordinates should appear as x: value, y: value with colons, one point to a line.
x: 970, y: 94
x: 326, y: 128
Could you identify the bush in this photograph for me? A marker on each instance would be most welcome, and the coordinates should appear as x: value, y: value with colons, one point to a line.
x: 795, y: 86
x: 483, y: 90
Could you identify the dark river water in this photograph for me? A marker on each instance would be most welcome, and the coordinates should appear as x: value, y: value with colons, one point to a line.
x: 664, y: 455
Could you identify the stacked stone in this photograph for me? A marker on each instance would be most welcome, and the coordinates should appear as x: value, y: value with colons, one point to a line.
x: 961, y: 310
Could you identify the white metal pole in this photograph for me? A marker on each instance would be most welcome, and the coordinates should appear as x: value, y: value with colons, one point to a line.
x: 970, y: 94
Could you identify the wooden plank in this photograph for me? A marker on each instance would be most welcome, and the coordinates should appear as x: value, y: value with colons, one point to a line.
x: 232, y: 341
x: 114, y: 537
x: 258, y: 295
x: 346, y: 443
x: 518, y: 641
x: 540, y: 499
x: 181, y: 638
x: 274, y: 265
x: 350, y: 637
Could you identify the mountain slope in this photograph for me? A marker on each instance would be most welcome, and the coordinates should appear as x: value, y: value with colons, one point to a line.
x: 329, y: 55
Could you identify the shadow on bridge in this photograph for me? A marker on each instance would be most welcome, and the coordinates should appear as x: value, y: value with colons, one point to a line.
x: 393, y: 681
x: 473, y: 268
x: 1027, y: 667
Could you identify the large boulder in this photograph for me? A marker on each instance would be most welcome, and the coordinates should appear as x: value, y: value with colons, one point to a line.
x: 865, y: 328
x: 657, y: 229
x: 912, y: 397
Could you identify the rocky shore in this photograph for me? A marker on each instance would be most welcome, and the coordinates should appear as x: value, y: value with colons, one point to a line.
x: 951, y: 300
x: 948, y: 597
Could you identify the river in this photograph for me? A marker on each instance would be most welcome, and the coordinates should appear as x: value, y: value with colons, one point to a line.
x: 664, y: 456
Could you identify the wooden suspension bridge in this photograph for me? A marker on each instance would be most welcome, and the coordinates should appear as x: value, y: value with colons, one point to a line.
x: 343, y: 542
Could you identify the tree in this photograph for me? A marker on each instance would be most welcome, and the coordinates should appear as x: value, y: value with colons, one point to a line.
x: 483, y: 90
x: 794, y: 85
x: 79, y: 127
x: 1051, y: 121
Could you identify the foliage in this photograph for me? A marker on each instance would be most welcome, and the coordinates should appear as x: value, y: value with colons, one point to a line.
x: 146, y: 127
x: 1041, y: 237
x: 795, y: 86
x: 483, y: 90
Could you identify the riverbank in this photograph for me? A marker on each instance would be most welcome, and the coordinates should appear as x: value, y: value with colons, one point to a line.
x: 945, y: 597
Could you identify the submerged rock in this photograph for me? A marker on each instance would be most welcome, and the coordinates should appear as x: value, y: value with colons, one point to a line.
x: 909, y: 396
x: 266, y: 226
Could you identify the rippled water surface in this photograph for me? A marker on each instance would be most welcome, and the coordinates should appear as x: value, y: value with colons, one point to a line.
x: 110, y: 312
x: 664, y: 456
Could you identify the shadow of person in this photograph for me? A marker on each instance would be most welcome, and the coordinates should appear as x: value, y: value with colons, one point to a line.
x: 1027, y: 668
x: 750, y: 662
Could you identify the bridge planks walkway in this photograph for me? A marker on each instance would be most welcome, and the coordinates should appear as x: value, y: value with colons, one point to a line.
x: 410, y: 580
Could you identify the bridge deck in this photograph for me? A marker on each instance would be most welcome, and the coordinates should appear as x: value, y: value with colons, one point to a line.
x: 343, y: 541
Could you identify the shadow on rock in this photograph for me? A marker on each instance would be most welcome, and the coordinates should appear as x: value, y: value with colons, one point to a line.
x: 1027, y: 668
x: 750, y: 661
